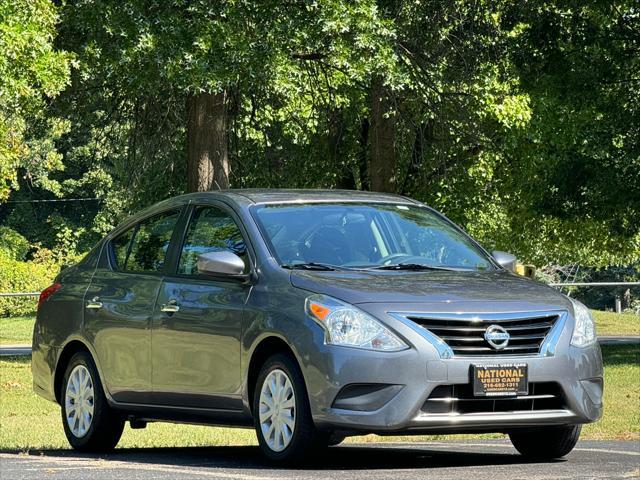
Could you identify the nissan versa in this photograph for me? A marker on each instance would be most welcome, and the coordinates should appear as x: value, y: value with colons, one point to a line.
x: 311, y: 315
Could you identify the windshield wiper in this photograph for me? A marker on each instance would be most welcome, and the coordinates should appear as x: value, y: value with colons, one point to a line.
x: 310, y: 266
x: 409, y: 266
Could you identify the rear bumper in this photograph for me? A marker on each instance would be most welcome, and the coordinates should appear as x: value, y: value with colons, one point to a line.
x: 43, y: 361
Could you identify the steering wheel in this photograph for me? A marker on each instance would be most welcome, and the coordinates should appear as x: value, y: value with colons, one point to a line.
x: 327, y: 245
x: 389, y: 258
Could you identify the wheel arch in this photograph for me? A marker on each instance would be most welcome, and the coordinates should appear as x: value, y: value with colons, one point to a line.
x: 72, y: 347
x: 265, y: 348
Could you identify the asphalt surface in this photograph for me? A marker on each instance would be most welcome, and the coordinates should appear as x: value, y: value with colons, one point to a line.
x: 15, y: 350
x: 491, y: 459
x: 619, y: 340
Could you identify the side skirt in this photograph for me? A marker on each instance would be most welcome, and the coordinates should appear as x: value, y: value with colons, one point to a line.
x: 197, y: 416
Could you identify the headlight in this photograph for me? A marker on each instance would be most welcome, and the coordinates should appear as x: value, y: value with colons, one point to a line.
x: 584, y: 331
x: 349, y: 326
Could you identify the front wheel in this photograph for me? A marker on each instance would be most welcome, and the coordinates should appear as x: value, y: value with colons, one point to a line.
x: 285, y: 429
x: 89, y: 424
x: 546, y: 443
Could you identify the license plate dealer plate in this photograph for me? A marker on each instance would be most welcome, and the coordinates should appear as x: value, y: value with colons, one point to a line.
x: 500, y: 380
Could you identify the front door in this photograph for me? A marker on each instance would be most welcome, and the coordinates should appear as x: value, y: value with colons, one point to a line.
x: 120, y: 302
x: 198, y: 321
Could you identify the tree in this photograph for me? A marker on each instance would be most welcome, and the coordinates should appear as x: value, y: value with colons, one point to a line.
x: 208, y: 139
x: 383, y: 163
x: 31, y: 72
x: 518, y: 120
x: 211, y: 54
x: 580, y: 155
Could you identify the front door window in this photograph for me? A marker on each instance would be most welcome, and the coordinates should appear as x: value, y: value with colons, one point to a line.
x: 210, y: 230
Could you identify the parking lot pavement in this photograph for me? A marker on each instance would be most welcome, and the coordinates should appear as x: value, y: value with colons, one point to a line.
x: 15, y: 350
x: 619, y: 340
x: 493, y: 459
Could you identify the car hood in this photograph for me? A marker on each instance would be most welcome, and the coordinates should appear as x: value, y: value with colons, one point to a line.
x: 435, y: 287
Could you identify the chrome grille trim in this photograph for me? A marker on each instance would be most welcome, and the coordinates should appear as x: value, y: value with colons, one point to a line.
x: 525, y: 417
x: 459, y: 399
x: 520, y: 397
x: 493, y: 317
x: 458, y: 334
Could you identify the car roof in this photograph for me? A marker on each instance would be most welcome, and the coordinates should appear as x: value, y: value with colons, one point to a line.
x: 277, y: 195
x: 252, y: 196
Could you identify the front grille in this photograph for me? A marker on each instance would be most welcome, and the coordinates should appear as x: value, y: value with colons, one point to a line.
x: 465, y: 333
x: 459, y: 399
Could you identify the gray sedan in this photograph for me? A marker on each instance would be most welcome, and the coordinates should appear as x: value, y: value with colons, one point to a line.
x: 311, y: 316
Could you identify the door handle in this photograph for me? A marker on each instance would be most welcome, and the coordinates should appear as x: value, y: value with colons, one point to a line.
x: 170, y: 307
x: 94, y: 304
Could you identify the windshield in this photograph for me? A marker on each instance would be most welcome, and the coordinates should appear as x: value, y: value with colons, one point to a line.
x: 366, y: 236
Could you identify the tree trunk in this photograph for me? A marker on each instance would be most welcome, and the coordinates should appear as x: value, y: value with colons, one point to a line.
x: 207, y: 136
x: 423, y: 136
x: 382, y: 131
x: 363, y: 155
x: 335, y: 145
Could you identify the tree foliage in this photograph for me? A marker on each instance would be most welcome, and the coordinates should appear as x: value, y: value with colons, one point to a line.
x: 31, y: 71
x: 519, y: 120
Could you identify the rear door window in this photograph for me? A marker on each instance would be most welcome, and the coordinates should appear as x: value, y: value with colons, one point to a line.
x: 150, y: 243
x: 121, y: 248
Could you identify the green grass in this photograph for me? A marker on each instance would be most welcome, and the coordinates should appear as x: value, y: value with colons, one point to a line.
x: 621, y: 419
x: 29, y: 422
x: 610, y: 323
x: 18, y: 330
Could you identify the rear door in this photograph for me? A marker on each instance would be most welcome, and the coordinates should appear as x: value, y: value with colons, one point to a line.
x: 120, y: 301
x: 197, y: 326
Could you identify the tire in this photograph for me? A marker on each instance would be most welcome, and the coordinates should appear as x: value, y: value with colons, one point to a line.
x: 546, y: 443
x: 101, y: 428
x: 292, y: 437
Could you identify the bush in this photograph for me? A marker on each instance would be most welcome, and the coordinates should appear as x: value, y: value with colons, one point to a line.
x: 17, y: 276
x: 12, y: 244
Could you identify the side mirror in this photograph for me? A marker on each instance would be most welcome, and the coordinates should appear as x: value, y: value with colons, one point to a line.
x: 505, y: 260
x: 221, y: 264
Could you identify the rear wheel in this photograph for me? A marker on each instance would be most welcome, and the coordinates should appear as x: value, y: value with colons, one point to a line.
x: 285, y: 429
x: 89, y: 424
x: 546, y: 443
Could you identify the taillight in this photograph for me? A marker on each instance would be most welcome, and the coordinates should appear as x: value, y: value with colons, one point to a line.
x: 47, y: 292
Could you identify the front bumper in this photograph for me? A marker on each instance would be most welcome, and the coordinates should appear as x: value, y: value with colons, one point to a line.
x: 577, y: 372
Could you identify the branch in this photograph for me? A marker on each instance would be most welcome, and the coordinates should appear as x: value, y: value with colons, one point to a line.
x: 308, y: 56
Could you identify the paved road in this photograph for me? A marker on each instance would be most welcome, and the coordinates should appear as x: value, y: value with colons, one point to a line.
x: 619, y: 340
x: 477, y: 460
x: 15, y: 350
